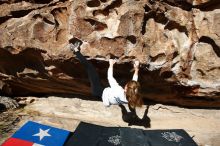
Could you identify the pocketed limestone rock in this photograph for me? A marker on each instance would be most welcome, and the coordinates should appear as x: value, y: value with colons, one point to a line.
x: 177, y: 43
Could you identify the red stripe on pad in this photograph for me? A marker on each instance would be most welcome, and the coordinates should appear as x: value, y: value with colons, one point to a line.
x: 16, y: 142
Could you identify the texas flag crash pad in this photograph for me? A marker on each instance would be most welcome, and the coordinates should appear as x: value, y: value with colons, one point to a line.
x: 36, y: 134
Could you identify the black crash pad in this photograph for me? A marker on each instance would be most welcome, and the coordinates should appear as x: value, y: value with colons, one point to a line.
x: 94, y: 135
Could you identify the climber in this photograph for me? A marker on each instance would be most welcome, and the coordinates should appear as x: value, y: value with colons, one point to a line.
x: 114, y: 94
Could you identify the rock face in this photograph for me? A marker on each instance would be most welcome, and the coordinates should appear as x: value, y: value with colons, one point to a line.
x: 177, y: 43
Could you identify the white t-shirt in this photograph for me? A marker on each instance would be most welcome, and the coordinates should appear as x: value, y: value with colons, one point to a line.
x: 114, y: 94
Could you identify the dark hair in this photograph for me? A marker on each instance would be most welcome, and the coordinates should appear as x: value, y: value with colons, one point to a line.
x: 74, y: 40
x: 133, y: 94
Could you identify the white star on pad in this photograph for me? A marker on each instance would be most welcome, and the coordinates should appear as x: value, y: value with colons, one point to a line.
x: 42, y: 133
